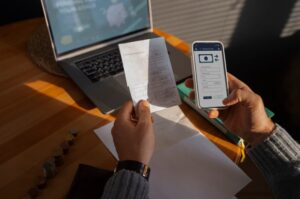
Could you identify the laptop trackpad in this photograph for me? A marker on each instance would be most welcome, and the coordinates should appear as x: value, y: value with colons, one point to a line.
x: 111, y: 93
x: 121, y: 79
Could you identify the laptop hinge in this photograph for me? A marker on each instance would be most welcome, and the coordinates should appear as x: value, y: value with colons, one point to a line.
x: 103, y: 45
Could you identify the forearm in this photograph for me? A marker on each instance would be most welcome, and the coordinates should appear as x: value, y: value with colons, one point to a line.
x: 126, y: 185
x: 278, y: 158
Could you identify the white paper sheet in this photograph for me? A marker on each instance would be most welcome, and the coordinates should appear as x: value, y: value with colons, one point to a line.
x: 165, y: 122
x: 149, y: 73
x: 194, y: 168
x: 185, y: 163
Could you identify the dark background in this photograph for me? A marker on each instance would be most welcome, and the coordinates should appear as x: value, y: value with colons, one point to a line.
x: 257, y: 54
x: 269, y: 64
x: 14, y: 10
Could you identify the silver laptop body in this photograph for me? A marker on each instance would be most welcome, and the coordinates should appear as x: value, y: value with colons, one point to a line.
x: 86, y: 33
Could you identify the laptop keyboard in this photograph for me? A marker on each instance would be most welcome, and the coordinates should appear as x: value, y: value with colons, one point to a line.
x: 101, y: 66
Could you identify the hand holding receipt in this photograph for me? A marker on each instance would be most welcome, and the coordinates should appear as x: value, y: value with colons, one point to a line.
x: 149, y: 74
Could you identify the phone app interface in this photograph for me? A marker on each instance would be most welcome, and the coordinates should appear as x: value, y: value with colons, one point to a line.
x: 210, y: 71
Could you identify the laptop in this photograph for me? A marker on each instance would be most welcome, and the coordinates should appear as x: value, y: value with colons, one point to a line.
x: 85, y: 35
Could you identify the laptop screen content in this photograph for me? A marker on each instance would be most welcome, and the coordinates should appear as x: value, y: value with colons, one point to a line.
x: 76, y: 24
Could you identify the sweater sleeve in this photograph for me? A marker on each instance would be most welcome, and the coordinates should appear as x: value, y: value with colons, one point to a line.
x: 126, y: 185
x: 278, y: 158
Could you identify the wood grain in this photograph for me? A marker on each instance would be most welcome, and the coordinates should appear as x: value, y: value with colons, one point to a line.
x: 36, y: 111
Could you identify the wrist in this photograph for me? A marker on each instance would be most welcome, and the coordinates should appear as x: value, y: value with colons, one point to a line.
x: 264, y: 132
x: 134, y: 166
x: 137, y: 158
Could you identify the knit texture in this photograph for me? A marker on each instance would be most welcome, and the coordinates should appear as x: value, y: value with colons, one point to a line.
x: 278, y: 158
x: 126, y: 185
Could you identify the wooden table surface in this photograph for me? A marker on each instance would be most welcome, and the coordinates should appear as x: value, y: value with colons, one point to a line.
x: 38, y: 109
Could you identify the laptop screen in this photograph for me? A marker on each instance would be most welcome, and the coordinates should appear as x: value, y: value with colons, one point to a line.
x: 76, y: 24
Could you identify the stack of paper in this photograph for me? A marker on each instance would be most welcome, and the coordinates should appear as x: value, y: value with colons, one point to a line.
x: 185, y: 164
x: 149, y: 73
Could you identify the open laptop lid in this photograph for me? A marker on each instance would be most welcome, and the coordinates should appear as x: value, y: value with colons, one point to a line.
x: 80, y: 26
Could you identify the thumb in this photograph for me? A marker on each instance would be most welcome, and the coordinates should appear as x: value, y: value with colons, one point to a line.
x: 144, y: 112
x: 240, y: 95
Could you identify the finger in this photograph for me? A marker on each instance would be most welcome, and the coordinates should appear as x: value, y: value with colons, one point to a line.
x: 235, y: 83
x: 192, y: 95
x: 125, y: 112
x: 189, y: 83
x: 213, y: 114
x: 144, y: 112
x: 241, y: 95
x: 152, y: 120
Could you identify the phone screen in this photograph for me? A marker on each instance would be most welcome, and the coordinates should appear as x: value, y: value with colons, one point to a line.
x: 210, y: 69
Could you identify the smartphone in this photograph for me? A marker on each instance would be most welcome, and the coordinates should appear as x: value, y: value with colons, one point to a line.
x: 209, y: 73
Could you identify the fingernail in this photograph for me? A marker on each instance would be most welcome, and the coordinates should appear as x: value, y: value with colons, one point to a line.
x: 145, y: 103
x: 210, y: 114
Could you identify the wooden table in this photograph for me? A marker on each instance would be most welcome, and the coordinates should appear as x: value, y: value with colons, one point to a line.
x: 38, y: 109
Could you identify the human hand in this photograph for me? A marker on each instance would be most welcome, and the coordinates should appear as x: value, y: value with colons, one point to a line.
x: 245, y: 113
x: 134, y: 140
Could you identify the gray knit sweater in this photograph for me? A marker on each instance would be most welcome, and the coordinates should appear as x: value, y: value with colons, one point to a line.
x: 278, y: 158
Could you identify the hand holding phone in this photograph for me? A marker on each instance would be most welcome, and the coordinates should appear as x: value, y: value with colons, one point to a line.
x: 209, y: 73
